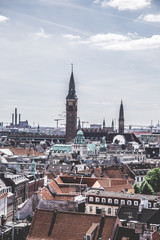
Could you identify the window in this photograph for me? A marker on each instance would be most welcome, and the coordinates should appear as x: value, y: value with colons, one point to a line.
x: 109, y: 210
x: 154, y: 205
x: 149, y: 204
x: 103, y: 210
x: 97, y: 199
x: 109, y: 200
x: 122, y: 202
x: 116, y: 201
x: 90, y: 209
x: 137, y: 179
x: 129, y: 202
x: 91, y: 199
x: 135, y: 203
x: 116, y: 210
x: 141, y: 179
x: 103, y: 200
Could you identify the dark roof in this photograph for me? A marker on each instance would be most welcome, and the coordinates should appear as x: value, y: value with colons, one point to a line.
x: 155, y: 217
x: 124, y: 232
x: 99, y: 133
x: 132, y: 213
x: 128, y: 212
x: 69, y: 226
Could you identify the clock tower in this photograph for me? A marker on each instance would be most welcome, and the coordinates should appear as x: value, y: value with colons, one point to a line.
x: 71, y: 110
x: 121, y: 119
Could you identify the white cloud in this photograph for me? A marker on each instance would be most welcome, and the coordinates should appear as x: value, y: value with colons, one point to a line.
x: 43, y: 34
x: 150, y: 18
x: 119, y: 42
x: 3, y: 19
x: 71, y: 37
x: 126, y: 4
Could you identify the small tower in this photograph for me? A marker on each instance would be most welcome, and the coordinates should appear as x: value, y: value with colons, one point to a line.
x: 71, y: 110
x: 121, y: 119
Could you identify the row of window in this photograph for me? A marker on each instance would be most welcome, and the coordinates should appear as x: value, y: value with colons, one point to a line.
x: 109, y: 210
x: 119, y: 201
x: 113, y: 201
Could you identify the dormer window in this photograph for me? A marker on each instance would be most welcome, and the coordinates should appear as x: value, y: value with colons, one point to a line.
x: 91, y: 199
x: 97, y: 199
x: 116, y: 201
x: 109, y: 200
x: 135, y: 203
x: 122, y: 202
x: 129, y: 202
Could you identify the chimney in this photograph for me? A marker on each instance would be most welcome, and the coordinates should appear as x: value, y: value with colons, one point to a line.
x: 15, y: 116
x: 12, y: 118
x: 19, y: 118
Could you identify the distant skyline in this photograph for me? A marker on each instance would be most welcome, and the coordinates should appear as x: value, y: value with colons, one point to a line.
x: 114, y: 46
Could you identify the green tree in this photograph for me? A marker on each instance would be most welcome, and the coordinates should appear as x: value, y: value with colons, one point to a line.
x: 146, y: 188
x: 136, y: 188
x: 153, y: 178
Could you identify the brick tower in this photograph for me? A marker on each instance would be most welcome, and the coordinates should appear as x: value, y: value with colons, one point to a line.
x: 71, y: 110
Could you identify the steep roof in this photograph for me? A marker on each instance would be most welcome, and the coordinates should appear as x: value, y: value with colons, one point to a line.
x: 69, y: 226
x: 72, y: 91
x: 45, y: 193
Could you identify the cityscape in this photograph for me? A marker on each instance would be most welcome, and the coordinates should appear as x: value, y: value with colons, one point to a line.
x: 79, y: 128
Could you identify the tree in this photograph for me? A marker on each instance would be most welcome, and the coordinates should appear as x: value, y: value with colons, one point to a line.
x: 153, y: 178
x: 136, y: 188
x: 146, y: 188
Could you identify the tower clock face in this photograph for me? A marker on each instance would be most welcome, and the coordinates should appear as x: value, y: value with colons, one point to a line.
x: 70, y: 103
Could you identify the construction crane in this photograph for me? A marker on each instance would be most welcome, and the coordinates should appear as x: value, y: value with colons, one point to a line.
x: 83, y: 123
x: 57, y: 120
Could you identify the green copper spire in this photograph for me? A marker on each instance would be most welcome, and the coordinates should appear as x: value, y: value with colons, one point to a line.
x: 72, y: 91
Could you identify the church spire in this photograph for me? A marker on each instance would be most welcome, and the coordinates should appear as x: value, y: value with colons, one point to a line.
x: 121, y: 119
x: 72, y: 91
x: 121, y: 112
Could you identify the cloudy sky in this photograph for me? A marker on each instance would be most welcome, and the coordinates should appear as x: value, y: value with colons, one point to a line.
x: 113, y: 44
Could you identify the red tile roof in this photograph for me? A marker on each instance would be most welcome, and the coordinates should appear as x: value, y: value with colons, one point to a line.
x: 68, y: 226
x: 55, y: 186
x: 45, y: 193
x: 24, y: 151
x: 114, y: 173
x: 85, y: 180
x: 114, y: 185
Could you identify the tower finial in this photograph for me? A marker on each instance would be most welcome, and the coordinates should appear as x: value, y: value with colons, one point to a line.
x: 72, y: 67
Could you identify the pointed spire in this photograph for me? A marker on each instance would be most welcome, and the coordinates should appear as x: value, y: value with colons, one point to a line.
x: 121, y: 112
x: 104, y: 123
x: 112, y: 125
x: 72, y: 91
x: 79, y: 124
